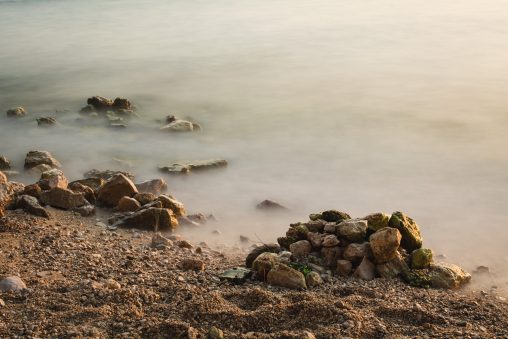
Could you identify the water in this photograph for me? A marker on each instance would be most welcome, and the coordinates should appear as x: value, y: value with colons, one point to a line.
x: 361, y: 106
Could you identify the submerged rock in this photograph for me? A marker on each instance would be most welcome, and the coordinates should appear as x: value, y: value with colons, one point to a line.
x: 185, y: 167
x: 62, y: 198
x: 16, y: 112
x: 154, y: 186
x: 46, y: 121
x: 444, y: 275
x: 31, y: 205
x: 5, y: 164
x: 106, y: 175
x: 285, y: 276
x: 269, y: 205
x: 421, y: 258
x: 409, y: 229
x: 115, y: 189
x: 100, y: 103
x: 178, y: 126
x: 122, y: 104
x: 35, y: 158
x: 384, y: 244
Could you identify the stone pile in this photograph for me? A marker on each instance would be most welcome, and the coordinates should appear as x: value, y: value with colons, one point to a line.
x: 332, y: 243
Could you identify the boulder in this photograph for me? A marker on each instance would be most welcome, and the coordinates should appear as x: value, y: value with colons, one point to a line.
x: 31, y: 205
x: 285, y: 276
x: 344, y: 267
x: 87, y: 191
x: 313, y: 279
x: 122, y: 104
x: 356, y: 252
x: 315, y: 216
x: 285, y: 242
x: 174, y: 205
x: 127, y: 204
x: 298, y: 232
x: 335, y: 216
x: 35, y: 158
x: 52, y: 178
x: 106, y: 175
x: 352, y: 230
x: 330, y: 255
x: 32, y: 190
x: 100, y: 103
x: 62, y: 198
x: 93, y: 183
x: 408, y: 228
x: 444, y: 275
x: 178, y: 126
x: 152, y: 219
x: 392, y: 268
x: 115, y: 189
x: 316, y: 225
x: 5, y: 164
x: 185, y: 167
x: 144, y: 198
x: 270, y: 248
x: 366, y: 270
x: 269, y: 205
x: 384, y: 244
x: 330, y: 227
x: 315, y: 239
x: 330, y: 241
x: 154, y: 186
x: 16, y: 112
x: 12, y: 284
x: 421, y: 258
x: 300, y: 249
x: 377, y: 221
x: 264, y: 263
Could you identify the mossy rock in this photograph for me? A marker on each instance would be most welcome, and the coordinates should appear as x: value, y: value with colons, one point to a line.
x: 421, y: 258
x: 315, y: 216
x: 417, y: 278
x: 409, y: 229
x: 377, y: 221
x: 284, y: 242
x: 298, y: 232
x: 335, y: 216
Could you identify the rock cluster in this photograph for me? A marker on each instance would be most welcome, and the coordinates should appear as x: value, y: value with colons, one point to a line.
x: 117, y: 112
x: 331, y: 242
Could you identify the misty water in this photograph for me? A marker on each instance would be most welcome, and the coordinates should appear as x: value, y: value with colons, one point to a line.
x: 360, y: 106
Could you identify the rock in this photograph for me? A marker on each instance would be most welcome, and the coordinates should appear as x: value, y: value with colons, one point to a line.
x: 315, y: 216
x: 285, y: 242
x: 32, y: 190
x: 5, y: 164
x: 444, y: 275
x: 264, y: 263
x: 392, y: 268
x: 115, y: 189
x: 174, y: 205
x: 344, y: 267
x: 384, y: 244
x: 184, y: 244
x: 421, y: 258
x: 300, y: 249
x: 52, y: 178
x: 144, y: 198
x: 12, y: 284
x: 170, y: 118
x: 335, y: 216
x: 356, y: 252
x: 269, y: 205
x: 284, y: 257
x: 31, y: 205
x: 106, y: 175
x: 93, y: 183
x: 330, y: 255
x: 8, y: 191
x: 192, y: 264
x: 46, y: 121
x: 237, y: 275
x: 313, y: 279
x: 215, y: 333
x: 316, y: 240
x: 178, y: 126
x: 330, y: 241
x: 16, y: 112
x: 316, y: 225
x: 127, y: 204
x: 185, y: 167
x: 100, y: 103
x: 284, y: 276
x: 35, y: 158
x: 159, y: 241
x: 330, y: 227
x: 62, y: 198
x: 152, y: 219
x: 408, y: 228
x: 154, y: 186
x: 270, y: 248
x: 377, y: 221
x: 112, y: 284
x: 85, y: 210
x: 366, y: 270
x: 199, y: 218
x: 122, y: 104
x: 87, y: 191
x: 298, y: 232
x: 352, y: 230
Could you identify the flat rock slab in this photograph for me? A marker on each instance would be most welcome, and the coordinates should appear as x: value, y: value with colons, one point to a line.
x: 184, y: 167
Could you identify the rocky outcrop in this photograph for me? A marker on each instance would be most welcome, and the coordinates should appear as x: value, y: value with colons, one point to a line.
x: 115, y: 189
x: 36, y: 158
x: 62, y: 198
x: 409, y: 229
x: 185, y: 167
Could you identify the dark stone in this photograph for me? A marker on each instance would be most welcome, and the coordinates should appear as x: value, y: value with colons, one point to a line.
x: 272, y: 248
